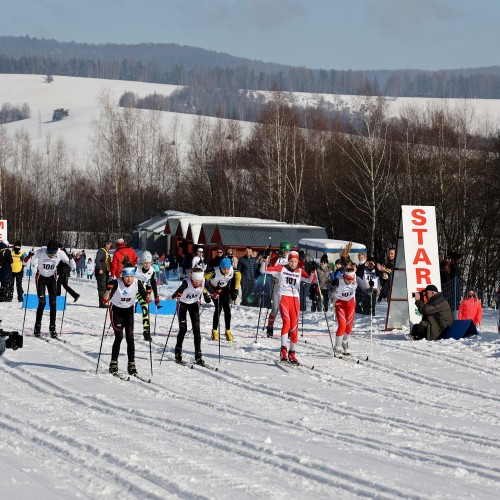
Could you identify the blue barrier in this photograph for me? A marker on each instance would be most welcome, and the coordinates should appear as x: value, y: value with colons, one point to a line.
x: 460, y: 328
x: 166, y: 307
x: 31, y: 302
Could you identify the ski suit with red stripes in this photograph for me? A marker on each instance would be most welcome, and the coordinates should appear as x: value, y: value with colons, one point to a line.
x: 345, y: 303
x: 288, y: 282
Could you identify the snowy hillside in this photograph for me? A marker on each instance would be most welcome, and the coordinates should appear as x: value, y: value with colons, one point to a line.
x: 417, y: 420
x: 81, y: 97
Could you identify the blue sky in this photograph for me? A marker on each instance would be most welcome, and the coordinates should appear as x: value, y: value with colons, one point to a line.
x: 330, y: 34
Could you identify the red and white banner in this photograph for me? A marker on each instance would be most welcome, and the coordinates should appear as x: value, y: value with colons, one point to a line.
x: 3, y: 229
x: 421, y: 252
x: 417, y: 264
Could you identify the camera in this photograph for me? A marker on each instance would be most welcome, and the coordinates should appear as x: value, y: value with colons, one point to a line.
x: 421, y: 292
x: 10, y: 340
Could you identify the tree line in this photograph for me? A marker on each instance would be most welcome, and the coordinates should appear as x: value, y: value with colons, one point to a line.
x: 474, y: 83
x: 349, y: 177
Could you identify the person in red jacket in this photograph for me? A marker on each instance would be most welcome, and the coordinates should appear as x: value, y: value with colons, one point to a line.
x: 123, y: 256
x: 470, y: 308
x: 289, y: 277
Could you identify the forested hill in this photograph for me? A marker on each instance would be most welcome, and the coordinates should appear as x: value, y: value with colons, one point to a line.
x: 183, y: 65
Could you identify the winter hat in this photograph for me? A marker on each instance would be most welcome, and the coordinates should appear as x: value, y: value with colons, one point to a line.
x: 199, y: 250
x: 225, y: 263
x: 17, y: 244
x: 285, y: 246
x: 293, y: 255
x: 431, y: 288
x: 324, y: 258
x: 128, y: 271
x: 350, y: 273
x: 197, y: 276
x: 120, y: 241
x: 146, y: 257
x: 52, y: 247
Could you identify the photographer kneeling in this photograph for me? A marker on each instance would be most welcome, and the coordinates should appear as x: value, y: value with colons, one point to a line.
x: 436, y: 315
x: 10, y: 340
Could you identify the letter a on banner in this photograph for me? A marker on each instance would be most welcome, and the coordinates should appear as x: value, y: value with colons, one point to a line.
x: 416, y: 265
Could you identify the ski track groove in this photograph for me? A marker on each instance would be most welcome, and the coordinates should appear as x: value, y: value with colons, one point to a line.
x: 83, y: 455
x: 424, y: 379
x: 351, y: 439
x: 377, y: 445
x: 108, y: 408
x: 316, y: 471
x: 345, y: 410
x: 449, y: 358
x: 400, y: 395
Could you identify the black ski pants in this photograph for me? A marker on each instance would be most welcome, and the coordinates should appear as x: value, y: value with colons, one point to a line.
x: 222, y: 302
x: 122, y: 318
x: 62, y: 281
x: 46, y: 283
x: 194, y: 314
x: 17, y: 279
x: 102, y: 283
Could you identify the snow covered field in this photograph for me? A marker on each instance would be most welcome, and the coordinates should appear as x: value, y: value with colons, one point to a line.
x: 80, y: 96
x: 418, y: 420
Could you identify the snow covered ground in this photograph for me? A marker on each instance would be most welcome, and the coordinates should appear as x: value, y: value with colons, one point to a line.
x: 418, y: 420
x: 80, y: 96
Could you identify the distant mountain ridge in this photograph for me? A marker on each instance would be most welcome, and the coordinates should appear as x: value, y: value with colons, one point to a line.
x: 167, y: 54
x: 191, y: 66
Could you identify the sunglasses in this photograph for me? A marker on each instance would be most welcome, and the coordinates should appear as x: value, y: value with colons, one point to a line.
x: 219, y: 252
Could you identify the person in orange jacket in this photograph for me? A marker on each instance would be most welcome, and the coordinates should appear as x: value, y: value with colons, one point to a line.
x: 470, y: 308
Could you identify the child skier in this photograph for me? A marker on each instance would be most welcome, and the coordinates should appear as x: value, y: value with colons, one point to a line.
x: 189, y: 296
x: 279, y: 258
x: 147, y: 275
x: 223, y: 283
x: 89, y: 269
x: 345, y: 305
x: 48, y: 258
x: 121, y: 295
x: 289, y: 278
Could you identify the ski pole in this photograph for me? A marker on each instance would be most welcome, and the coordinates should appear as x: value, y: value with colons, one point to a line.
x: 150, y: 350
x: 64, y: 309
x: 102, y: 339
x: 168, y: 336
x: 326, y: 318
x: 261, y: 304
x: 371, y: 322
x: 27, y: 293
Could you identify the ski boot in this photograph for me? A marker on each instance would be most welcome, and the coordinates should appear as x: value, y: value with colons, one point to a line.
x: 132, y: 370
x: 77, y: 296
x: 178, y: 355
x: 113, y: 366
x: 215, y: 334
x: 284, y: 354
x: 147, y: 336
x: 229, y: 336
x: 198, y: 359
x: 270, y: 331
x: 52, y: 331
x: 37, y: 330
x: 337, y: 352
x: 345, y: 348
x: 292, y: 359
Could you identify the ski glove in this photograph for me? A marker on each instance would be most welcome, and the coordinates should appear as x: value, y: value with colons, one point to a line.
x: 157, y: 300
x: 234, y: 296
x: 111, y: 284
x: 314, y: 265
x: 207, y: 298
x: 149, y: 298
x: 215, y: 295
x: 267, y: 252
x: 175, y: 296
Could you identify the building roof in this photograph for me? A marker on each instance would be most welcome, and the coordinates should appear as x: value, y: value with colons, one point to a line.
x: 263, y: 235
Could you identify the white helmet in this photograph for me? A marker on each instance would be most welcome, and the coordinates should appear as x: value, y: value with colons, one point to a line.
x: 146, y: 257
